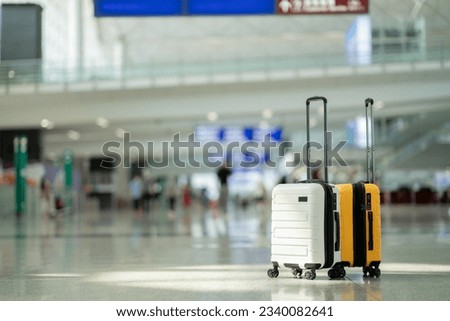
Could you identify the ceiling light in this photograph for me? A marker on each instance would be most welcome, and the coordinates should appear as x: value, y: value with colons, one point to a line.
x: 119, y: 133
x: 102, y: 122
x: 48, y: 124
x: 267, y: 113
x: 73, y: 135
x: 212, y: 116
x: 379, y: 105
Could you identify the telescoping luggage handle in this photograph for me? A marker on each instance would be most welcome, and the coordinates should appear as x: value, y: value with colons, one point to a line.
x: 370, y: 160
x: 308, y: 140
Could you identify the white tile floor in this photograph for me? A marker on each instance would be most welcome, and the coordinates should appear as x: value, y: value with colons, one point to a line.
x: 206, y: 256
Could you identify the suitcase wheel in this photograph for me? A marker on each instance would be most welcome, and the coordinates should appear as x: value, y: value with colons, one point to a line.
x: 371, y: 272
x: 273, y: 273
x: 366, y: 272
x: 297, y: 272
x: 336, y: 272
x: 377, y: 272
x: 310, y: 275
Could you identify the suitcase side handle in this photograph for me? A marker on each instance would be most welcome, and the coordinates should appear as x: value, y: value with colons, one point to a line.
x: 370, y: 219
x: 370, y: 145
x: 308, y: 136
x: 338, y: 232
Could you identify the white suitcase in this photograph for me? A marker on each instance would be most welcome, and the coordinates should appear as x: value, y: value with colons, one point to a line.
x: 305, y: 222
x: 305, y: 227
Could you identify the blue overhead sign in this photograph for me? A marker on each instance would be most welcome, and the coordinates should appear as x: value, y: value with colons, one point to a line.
x: 227, y: 134
x: 136, y: 8
x: 230, y: 7
x: 133, y: 8
x: 130, y: 8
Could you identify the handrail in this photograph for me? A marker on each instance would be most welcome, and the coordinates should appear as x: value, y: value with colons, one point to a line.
x: 50, y: 72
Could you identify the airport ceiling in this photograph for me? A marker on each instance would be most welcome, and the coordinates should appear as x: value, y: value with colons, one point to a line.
x: 145, y: 39
x: 158, y: 112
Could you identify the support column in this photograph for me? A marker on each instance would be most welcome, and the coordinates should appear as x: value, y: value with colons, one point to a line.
x: 20, y: 163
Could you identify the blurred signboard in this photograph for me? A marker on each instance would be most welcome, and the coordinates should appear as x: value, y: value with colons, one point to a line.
x: 129, y: 8
x: 228, y: 134
x: 105, y: 8
x: 247, y: 146
x: 322, y: 6
x: 230, y: 7
x: 358, y: 41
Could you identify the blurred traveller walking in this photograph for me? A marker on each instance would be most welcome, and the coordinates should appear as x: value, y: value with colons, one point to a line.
x: 223, y: 174
x: 136, y: 193
x: 260, y: 195
x: 47, y: 199
x: 187, y: 204
x: 171, y: 196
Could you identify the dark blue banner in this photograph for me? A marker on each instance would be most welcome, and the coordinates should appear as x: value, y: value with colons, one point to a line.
x: 132, y: 8
x: 230, y: 7
x: 227, y: 134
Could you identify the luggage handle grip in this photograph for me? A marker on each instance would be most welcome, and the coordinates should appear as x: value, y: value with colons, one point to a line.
x: 369, y: 101
x: 370, y: 160
x: 312, y: 181
x: 308, y: 140
x: 316, y: 98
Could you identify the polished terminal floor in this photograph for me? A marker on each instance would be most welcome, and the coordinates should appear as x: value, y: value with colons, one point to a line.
x: 204, y: 255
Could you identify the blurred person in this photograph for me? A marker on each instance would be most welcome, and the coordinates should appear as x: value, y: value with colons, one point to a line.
x: 261, y: 202
x: 171, y: 196
x: 187, y: 203
x: 155, y: 194
x: 59, y: 203
x: 223, y: 173
x: 444, y: 199
x: 283, y: 179
x: 146, y: 194
x: 47, y: 199
x: 1, y: 171
x: 136, y: 186
x: 260, y: 193
x: 204, y: 198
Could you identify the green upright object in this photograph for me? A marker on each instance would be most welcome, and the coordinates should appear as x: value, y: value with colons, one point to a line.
x: 20, y: 163
x: 68, y: 170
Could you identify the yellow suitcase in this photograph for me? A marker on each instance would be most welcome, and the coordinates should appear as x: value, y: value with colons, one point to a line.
x: 361, y: 218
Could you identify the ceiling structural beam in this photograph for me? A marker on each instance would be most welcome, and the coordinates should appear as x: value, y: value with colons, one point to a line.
x: 418, y: 4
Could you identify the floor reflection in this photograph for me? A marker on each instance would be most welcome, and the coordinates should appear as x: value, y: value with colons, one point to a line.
x: 206, y: 254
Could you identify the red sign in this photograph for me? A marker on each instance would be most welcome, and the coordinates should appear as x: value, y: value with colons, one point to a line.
x: 322, y: 6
